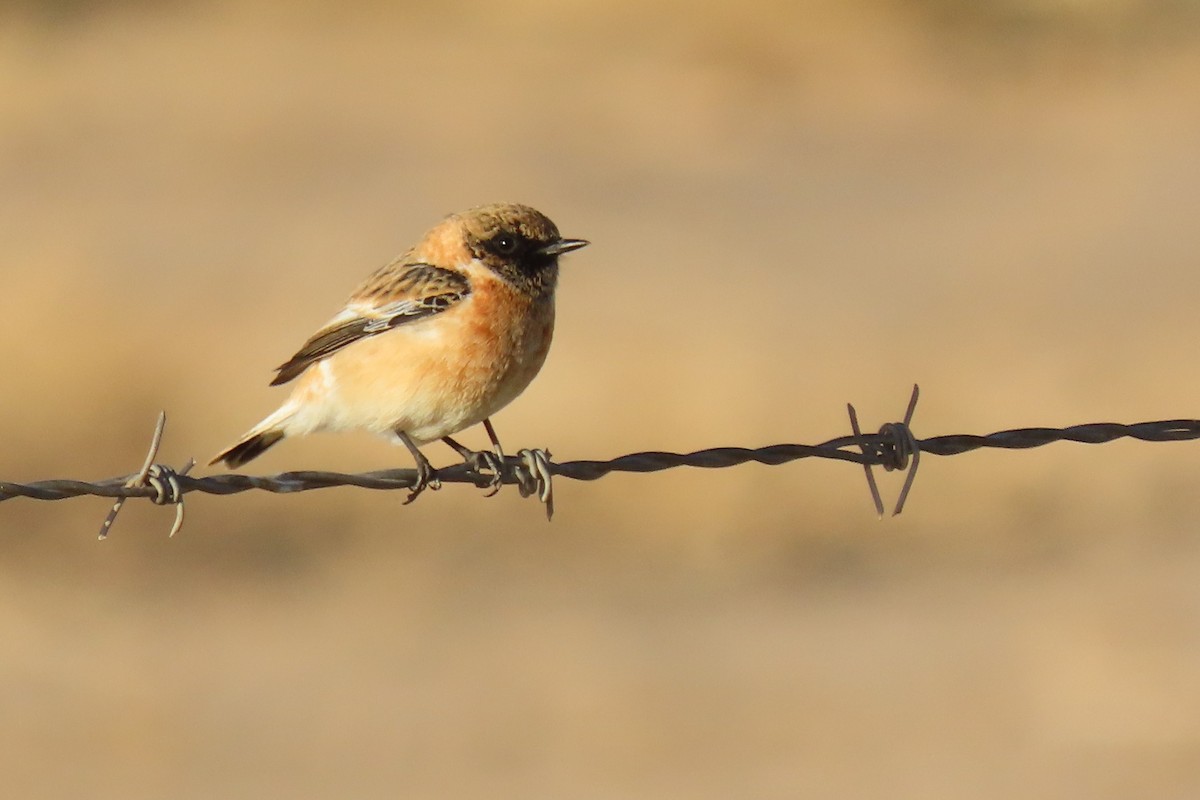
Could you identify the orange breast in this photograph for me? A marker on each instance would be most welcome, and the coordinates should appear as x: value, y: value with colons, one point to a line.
x: 437, y: 376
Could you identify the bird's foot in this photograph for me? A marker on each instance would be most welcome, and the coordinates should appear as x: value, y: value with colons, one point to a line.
x: 426, y: 479
x: 482, y: 462
x: 485, y: 462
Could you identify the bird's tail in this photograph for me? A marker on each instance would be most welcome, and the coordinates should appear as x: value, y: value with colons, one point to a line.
x: 256, y: 440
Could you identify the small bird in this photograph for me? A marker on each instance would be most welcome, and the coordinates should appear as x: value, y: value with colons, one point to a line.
x: 434, y: 342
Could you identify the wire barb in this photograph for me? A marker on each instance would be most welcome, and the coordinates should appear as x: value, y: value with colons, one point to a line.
x: 534, y: 477
x: 891, y: 449
x: 159, y: 477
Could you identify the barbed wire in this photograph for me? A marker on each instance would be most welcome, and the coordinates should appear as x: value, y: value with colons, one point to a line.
x: 893, y: 447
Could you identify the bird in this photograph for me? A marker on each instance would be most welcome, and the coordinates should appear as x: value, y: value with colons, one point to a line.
x: 435, y: 341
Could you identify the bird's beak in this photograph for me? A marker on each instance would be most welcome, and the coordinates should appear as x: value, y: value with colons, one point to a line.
x: 562, y: 246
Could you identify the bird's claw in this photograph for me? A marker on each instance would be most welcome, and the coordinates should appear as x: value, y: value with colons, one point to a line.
x: 426, y: 479
x: 484, y: 462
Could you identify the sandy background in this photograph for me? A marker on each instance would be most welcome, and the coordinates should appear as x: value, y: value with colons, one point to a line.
x: 793, y: 205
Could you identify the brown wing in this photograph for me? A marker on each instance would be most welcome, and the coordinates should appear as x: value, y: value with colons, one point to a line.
x: 390, y: 298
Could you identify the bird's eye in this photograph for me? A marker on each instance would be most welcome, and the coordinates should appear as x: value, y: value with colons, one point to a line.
x: 506, y: 244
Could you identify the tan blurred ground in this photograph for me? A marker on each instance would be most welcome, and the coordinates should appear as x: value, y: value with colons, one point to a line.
x: 792, y: 205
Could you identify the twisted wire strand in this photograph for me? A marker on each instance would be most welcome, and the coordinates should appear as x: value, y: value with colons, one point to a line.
x: 894, y: 448
x: 584, y: 470
x: 307, y: 480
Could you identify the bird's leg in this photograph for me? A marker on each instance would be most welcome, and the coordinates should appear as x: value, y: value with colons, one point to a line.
x: 426, y: 474
x: 483, y: 460
x: 491, y: 432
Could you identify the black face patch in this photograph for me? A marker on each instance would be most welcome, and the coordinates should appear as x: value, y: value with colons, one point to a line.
x: 517, y: 258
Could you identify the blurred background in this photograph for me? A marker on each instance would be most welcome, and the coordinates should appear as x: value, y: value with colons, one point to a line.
x: 792, y: 205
